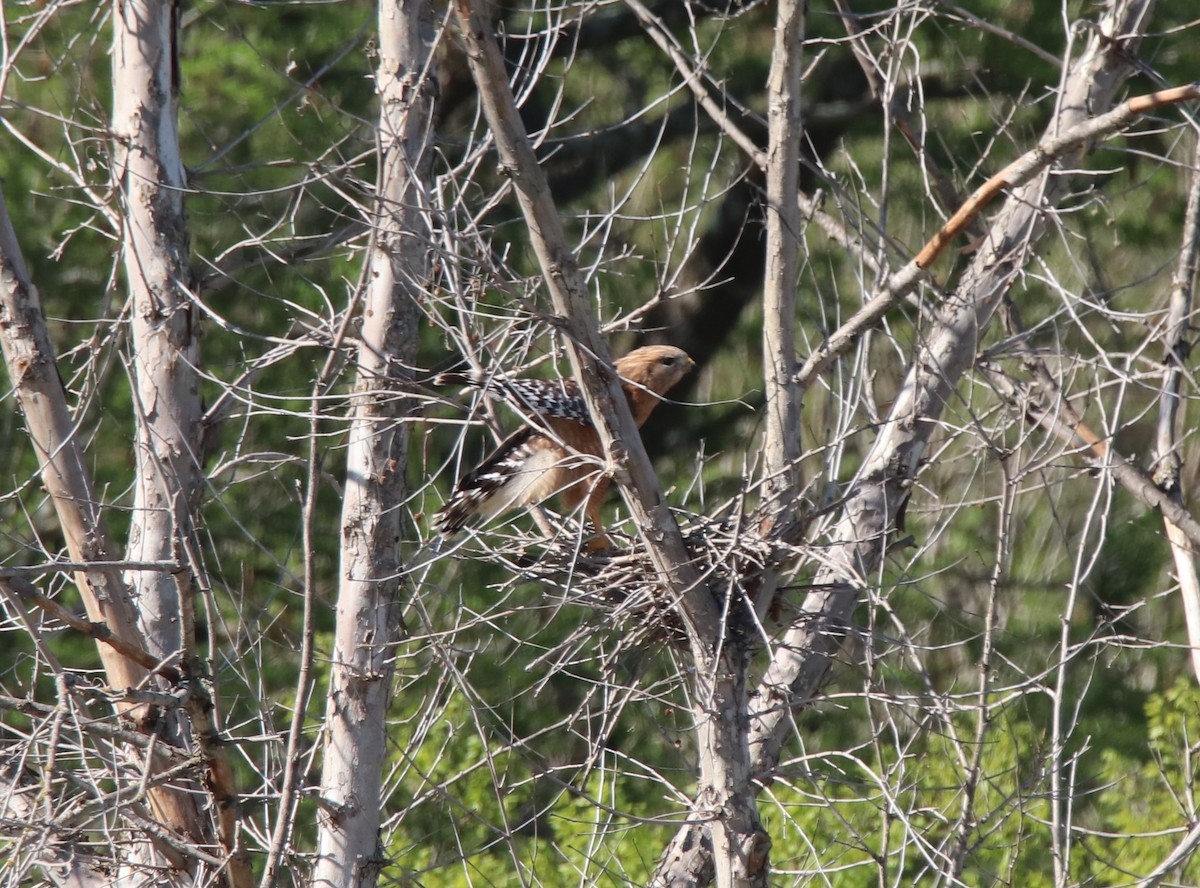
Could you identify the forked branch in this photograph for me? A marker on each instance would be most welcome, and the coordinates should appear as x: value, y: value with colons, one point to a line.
x: 1017, y: 174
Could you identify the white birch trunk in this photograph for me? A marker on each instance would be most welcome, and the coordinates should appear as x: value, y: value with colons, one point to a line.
x: 369, y: 625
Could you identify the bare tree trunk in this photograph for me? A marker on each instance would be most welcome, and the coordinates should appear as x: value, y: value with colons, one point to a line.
x: 739, y: 844
x: 369, y: 624
x: 801, y: 662
x: 149, y: 173
x: 32, y: 366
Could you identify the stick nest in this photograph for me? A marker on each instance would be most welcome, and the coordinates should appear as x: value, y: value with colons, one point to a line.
x: 623, y: 589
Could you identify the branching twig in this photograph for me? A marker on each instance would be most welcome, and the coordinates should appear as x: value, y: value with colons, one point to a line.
x: 810, y: 207
x: 1018, y: 173
x: 801, y: 661
x: 1041, y: 400
x: 720, y: 665
x: 96, y: 630
x: 288, y: 792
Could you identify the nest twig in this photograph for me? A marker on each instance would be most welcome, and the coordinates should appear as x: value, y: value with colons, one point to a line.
x: 623, y: 589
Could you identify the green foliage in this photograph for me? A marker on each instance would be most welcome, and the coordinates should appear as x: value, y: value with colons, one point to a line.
x: 1147, y: 802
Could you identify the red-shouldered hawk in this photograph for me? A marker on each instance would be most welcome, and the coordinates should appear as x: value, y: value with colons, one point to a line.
x: 562, y: 453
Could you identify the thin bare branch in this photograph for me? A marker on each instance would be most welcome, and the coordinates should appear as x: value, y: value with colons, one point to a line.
x: 1041, y: 400
x: 102, y: 633
x: 589, y: 354
x: 720, y: 663
x: 1016, y: 175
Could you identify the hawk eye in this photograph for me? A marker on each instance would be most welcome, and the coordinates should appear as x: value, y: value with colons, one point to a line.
x: 668, y: 361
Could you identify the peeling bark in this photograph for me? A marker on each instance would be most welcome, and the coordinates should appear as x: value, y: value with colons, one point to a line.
x: 150, y: 174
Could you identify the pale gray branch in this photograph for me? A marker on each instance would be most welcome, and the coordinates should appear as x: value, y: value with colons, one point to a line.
x: 369, y: 623
x: 1167, y: 474
x: 149, y: 176
x: 719, y: 663
x: 1074, y: 136
x: 31, y: 363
